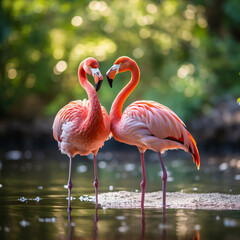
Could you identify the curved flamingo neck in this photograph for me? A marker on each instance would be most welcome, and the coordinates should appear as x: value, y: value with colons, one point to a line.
x: 95, y: 111
x: 116, y: 110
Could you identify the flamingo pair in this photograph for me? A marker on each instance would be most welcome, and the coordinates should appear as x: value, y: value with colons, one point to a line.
x: 81, y: 127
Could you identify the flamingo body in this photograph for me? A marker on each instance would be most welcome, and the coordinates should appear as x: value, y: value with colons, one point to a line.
x: 81, y: 127
x: 151, y: 125
x: 147, y: 124
x: 69, y: 129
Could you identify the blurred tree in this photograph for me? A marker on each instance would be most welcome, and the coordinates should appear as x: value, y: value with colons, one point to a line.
x: 188, y: 52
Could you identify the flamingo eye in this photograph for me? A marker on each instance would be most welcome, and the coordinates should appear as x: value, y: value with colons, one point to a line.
x: 95, y: 71
x: 116, y: 67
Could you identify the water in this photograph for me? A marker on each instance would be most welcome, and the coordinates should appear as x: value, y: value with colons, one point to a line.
x: 33, y: 194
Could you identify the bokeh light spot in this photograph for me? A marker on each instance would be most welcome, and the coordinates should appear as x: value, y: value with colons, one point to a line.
x: 186, y: 35
x: 202, y: 22
x: 169, y: 7
x: 79, y: 49
x: 151, y: 8
x: 138, y: 52
x: 183, y: 71
x: 189, y: 14
x: 144, y: 33
x: 60, y: 67
x: 58, y: 53
x: 30, y: 81
x: 12, y: 73
x: 35, y: 55
x: 189, y: 92
x: 145, y: 20
x: 77, y: 21
x: 98, y: 5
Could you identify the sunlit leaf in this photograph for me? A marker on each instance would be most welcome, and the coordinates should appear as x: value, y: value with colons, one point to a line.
x: 238, y: 101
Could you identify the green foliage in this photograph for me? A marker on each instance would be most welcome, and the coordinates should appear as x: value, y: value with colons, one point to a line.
x: 187, y: 55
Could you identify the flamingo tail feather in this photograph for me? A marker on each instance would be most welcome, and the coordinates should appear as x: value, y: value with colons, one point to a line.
x: 194, y: 151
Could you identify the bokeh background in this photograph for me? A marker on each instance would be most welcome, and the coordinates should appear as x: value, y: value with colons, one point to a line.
x: 189, y: 56
x: 188, y: 53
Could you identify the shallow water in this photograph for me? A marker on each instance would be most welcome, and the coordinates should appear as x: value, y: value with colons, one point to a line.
x: 33, y: 202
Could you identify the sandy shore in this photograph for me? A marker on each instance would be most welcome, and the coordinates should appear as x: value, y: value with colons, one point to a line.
x: 177, y: 200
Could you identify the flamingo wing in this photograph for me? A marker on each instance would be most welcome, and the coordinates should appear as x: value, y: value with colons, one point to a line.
x: 68, y: 131
x: 75, y: 111
x: 150, y: 125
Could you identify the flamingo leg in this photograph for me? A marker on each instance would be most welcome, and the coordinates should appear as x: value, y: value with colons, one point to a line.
x: 95, y: 183
x: 164, y: 179
x: 144, y: 180
x: 143, y: 224
x: 70, y: 185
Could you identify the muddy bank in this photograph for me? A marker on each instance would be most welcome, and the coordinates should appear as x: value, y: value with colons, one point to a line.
x: 176, y: 200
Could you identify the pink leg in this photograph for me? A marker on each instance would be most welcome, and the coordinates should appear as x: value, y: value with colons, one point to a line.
x: 95, y: 184
x: 70, y: 185
x: 164, y: 179
x: 144, y: 180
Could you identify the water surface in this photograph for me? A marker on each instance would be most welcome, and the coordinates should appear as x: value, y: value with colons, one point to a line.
x: 33, y: 202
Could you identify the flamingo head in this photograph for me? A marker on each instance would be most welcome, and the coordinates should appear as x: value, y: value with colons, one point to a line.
x: 91, y: 67
x: 122, y: 64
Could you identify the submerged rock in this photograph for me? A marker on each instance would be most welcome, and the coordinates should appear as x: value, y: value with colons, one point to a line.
x: 176, y: 200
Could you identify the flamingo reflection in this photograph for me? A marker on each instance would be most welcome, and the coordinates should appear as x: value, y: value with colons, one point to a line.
x: 72, y: 225
x: 164, y: 222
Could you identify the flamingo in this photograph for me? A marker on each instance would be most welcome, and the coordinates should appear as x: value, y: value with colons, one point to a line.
x: 81, y: 127
x: 147, y: 124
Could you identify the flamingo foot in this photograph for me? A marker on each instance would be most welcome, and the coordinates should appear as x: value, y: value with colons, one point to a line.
x: 164, y: 180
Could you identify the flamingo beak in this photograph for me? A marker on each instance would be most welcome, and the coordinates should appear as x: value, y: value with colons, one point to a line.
x: 111, y: 73
x: 98, y: 78
x: 98, y: 85
x: 110, y: 81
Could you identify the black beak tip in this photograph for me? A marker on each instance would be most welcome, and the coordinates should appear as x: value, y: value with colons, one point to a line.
x: 98, y: 85
x: 110, y: 81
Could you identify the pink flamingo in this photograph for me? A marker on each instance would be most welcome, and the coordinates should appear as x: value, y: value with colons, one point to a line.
x: 147, y: 124
x: 81, y: 127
